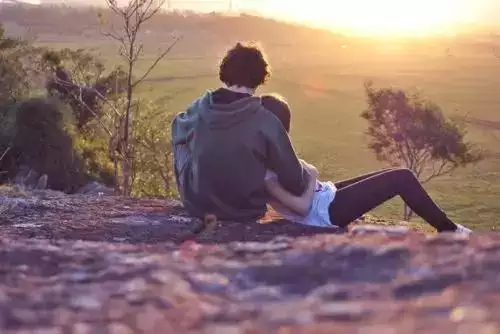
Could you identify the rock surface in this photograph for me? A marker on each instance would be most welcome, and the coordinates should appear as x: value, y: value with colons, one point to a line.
x: 97, y: 264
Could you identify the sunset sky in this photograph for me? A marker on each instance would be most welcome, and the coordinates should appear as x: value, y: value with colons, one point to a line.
x: 391, y: 17
x: 369, y: 17
x: 362, y: 17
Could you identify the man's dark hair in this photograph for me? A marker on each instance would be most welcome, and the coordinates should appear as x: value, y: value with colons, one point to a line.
x: 244, y: 65
x: 277, y: 105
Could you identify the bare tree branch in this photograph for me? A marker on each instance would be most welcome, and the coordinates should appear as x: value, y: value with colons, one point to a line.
x: 5, y: 153
x: 157, y: 60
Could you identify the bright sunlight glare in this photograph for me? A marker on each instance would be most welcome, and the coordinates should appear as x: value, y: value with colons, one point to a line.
x: 376, y: 17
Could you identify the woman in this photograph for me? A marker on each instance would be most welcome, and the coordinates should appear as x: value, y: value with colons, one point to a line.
x: 340, y: 203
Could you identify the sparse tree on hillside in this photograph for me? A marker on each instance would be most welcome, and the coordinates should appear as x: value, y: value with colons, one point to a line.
x: 134, y: 15
x: 15, y: 68
x: 409, y: 131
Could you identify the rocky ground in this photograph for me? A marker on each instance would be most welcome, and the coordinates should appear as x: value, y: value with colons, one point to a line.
x: 93, y: 264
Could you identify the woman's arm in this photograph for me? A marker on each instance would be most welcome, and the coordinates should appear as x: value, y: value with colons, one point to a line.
x: 299, y: 204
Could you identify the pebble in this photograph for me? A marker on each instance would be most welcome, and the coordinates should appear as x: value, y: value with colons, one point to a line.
x: 53, y: 330
x: 149, y: 318
x: 79, y: 276
x: 86, y: 302
x: 117, y: 328
x: 82, y: 328
x: 224, y: 329
x: 24, y: 316
x: 374, y: 229
x: 134, y: 285
x: 209, y: 282
x: 342, y: 311
x: 116, y: 308
x: 377, y: 329
x: 469, y: 314
x: 286, y: 316
x: 259, y: 247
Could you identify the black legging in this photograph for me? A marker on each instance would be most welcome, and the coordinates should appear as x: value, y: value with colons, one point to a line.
x: 361, y: 194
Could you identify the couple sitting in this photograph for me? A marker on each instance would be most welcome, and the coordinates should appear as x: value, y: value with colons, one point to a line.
x: 233, y: 156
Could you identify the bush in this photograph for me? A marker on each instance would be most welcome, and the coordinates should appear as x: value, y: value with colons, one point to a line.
x: 41, y: 134
x: 44, y: 141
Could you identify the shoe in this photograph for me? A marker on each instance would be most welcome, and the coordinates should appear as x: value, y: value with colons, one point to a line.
x: 463, y: 230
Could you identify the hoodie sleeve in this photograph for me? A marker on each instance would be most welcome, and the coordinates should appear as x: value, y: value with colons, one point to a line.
x: 281, y: 159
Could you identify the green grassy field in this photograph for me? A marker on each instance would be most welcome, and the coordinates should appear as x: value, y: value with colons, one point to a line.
x: 323, y: 80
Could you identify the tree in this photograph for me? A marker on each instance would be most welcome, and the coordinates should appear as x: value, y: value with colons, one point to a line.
x: 409, y: 131
x: 15, y: 68
x: 152, y: 174
x: 133, y: 16
x: 77, y: 78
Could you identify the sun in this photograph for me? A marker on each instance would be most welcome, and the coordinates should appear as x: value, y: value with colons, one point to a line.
x: 376, y: 17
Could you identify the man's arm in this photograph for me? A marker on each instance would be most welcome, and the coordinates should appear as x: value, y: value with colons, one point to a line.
x: 281, y: 159
x: 298, y: 204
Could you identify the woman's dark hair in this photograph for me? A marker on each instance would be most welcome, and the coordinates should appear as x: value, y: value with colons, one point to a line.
x: 244, y: 65
x: 277, y: 105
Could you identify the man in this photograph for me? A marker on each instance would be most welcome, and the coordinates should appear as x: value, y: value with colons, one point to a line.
x: 226, y: 140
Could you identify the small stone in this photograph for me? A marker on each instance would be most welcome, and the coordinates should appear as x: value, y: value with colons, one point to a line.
x: 149, y: 319
x: 82, y: 328
x: 52, y: 330
x: 259, y: 247
x: 330, y: 292
x: 24, y: 316
x: 260, y: 294
x: 79, y: 277
x: 85, y: 302
x: 172, y: 282
x: 469, y: 314
x: 380, y: 229
x: 137, y: 285
x: 342, y: 311
x: 480, y: 328
x: 117, y: 309
x: 224, y: 329
x: 62, y: 317
x: 42, y: 182
x: 117, y: 239
x: 117, y: 328
x: 163, y: 276
x: 285, y: 316
x: 393, y: 251
x: 432, y: 284
x: 377, y: 329
x: 4, y: 297
x: 209, y: 282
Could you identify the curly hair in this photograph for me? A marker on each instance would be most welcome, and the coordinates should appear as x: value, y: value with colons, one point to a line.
x: 244, y: 65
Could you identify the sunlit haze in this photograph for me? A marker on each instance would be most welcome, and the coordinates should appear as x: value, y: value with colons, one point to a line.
x: 381, y: 17
x: 360, y: 17
x: 372, y: 17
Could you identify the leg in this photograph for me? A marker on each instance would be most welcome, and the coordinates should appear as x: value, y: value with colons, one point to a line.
x: 347, y: 182
x: 357, y: 199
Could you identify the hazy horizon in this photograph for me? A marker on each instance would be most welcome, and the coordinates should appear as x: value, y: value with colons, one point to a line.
x: 385, y: 18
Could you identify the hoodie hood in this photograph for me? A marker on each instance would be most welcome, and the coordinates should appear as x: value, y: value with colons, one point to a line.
x: 228, y: 114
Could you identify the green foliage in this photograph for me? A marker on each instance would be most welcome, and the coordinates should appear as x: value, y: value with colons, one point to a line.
x: 43, y: 140
x: 15, y: 68
x: 407, y: 130
x: 152, y: 174
x: 85, y: 68
x: 92, y: 147
x: 410, y: 131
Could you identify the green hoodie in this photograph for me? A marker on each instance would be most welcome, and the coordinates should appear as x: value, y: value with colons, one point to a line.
x: 221, y: 153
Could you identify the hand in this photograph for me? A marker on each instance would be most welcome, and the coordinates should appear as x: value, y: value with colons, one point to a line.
x: 311, y: 170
